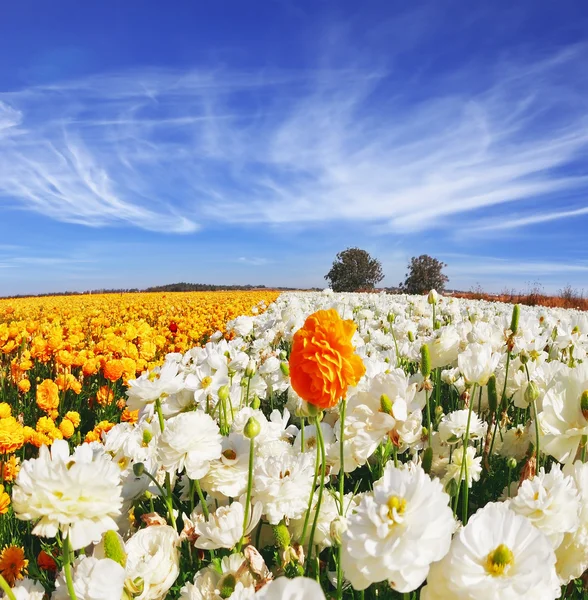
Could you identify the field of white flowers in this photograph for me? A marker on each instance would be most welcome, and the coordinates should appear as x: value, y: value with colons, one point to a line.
x: 338, y: 446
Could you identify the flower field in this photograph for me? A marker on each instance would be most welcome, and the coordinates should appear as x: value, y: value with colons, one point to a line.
x: 317, y: 445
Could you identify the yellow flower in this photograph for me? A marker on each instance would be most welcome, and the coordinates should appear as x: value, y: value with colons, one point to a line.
x: 11, y: 435
x: 67, y: 429
x: 48, y: 395
x: 74, y: 417
x: 5, y: 410
x: 4, y: 501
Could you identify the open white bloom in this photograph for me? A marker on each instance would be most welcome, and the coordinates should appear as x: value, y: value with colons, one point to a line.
x: 444, y: 347
x: 453, y: 426
x: 456, y: 470
x: 477, y: 362
x: 572, y: 553
x: 190, y: 441
x: 299, y: 588
x: 328, y: 513
x: 224, y: 526
x: 397, y: 531
x: 153, y: 561
x: 283, y: 485
x: 79, y: 495
x: 154, y: 384
x: 27, y: 589
x: 498, y: 554
x: 228, y: 474
x: 234, y: 581
x: 514, y: 442
x: 551, y: 502
x: 562, y: 422
x: 93, y: 579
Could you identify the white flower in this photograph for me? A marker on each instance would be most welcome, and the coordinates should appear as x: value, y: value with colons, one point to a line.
x: 224, y: 526
x: 444, y: 347
x: 189, y: 441
x: 153, y: 560
x: 299, y: 588
x: 241, y: 325
x: 477, y: 362
x: 93, y: 579
x: 515, y: 442
x: 79, y: 495
x: 456, y: 471
x: 453, y: 426
x: 27, y: 589
x: 228, y: 474
x: 283, y: 485
x: 498, y: 554
x: 328, y: 513
x: 209, y: 583
x: 397, y: 531
x: 550, y: 501
x: 562, y: 423
x: 150, y: 386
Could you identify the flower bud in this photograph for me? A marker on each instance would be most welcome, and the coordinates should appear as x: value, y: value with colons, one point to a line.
x: 281, y: 535
x: 114, y: 549
x: 531, y: 393
x: 337, y: 529
x: 256, y: 402
x: 492, y: 394
x: 309, y: 410
x: 514, y: 322
x: 223, y: 393
x: 227, y: 585
x: 524, y: 357
x: 433, y: 297
x: 425, y: 361
x: 410, y: 336
x: 584, y: 404
x: 385, y: 404
x: 427, y: 460
x: 138, y: 469
x: 285, y: 368
x: 391, y: 317
x: 147, y: 437
x: 252, y: 428
x: 251, y: 368
x: 511, y: 463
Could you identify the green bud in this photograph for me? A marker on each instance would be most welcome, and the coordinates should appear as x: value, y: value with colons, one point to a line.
x: 385, y: 404
x: 227, y: 585
x: 391, y: 317
x: 410, y: 336
x: 437, y: 324
x: 514, y: 322
x: 524, y: 357
x: 252, y: 428
x: 223, y: 393
x: 425, y: 361
x: 138, y: 469
x: 531, y: 393
x: 251, y: 368
x: 432, y: 297
x: 256, y: 402
x: 281, y: 535
x: 337, y: 529
x: 511, y: 463
x: 427, y: 459
x: 147, y: 437
x: 113, y: 548
x: 584, y: 404
x: 492, y: 394
x: 285, y: 368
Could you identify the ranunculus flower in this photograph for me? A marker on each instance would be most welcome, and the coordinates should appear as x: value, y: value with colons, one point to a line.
x: 323, y: 363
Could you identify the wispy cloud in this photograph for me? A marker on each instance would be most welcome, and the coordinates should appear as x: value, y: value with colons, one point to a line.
x: 171, y: 152
x: 253, y: 261
x: 504, y: 224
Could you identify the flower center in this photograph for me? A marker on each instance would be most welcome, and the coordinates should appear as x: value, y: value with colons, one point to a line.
x: 396, y: 508
x: 499, y: 560
x: 206, y: 381
x: 230, y: 454
x: 153, y: 376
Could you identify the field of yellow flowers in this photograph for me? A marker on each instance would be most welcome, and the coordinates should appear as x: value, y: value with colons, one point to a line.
x: 64, y: 363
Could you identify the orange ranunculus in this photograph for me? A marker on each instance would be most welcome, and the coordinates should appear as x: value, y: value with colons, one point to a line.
x: 113, y: 370
x: 323, y: 363
x: 11, y: 435
x: 48, y: 395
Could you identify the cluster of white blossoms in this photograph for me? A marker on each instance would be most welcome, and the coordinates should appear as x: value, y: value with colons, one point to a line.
x: 455, y: 468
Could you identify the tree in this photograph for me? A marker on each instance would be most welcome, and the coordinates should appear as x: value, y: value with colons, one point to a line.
x: 354, y: 269
x: 425, y: 274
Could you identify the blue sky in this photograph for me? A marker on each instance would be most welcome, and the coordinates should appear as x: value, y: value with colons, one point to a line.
x: 144, y: 143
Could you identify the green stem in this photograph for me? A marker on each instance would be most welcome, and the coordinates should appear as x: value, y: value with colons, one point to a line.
x: 67, y: 552
x: 249, y: 486
x: 6, y: 588
x: 302, y: 424
x: 159, y: 414
x: 584, y: 442
x: 202, y: 501
x: 316, y: 471
x: 464, y: 460
x: 321, y: 447
x: 429, y: 422
x: 341, y: 494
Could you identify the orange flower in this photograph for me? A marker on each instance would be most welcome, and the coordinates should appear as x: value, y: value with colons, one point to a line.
x: 4, y: 501
x: 5, y: 410
x: 24, y: 385
x: 46, y: 561
x: 113, y: 370
x: 10, y: 468
x: 104, y: 396
x: 323, y: 363
x: 74, y: 417
x: 11, y: 435
x: 47, y: 395
x: 67, y: 429
x: 13, y: 564
x: 129, y: 416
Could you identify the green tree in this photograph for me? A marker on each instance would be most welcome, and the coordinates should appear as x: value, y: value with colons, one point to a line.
x: 425, y: 273
x: 354, y: 269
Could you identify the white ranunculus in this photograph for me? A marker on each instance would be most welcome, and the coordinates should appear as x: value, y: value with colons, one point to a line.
x: 27, y: 589
x: 498, y: 554
x: 397, y: 531
x: 477, y: 362
x: 190, y: 441
x: 457, y: 472
x: 453, y: 426
x: 151, y: 385
x: 153, y: 561
x: 78, y: 494
x: 93, y: 579
x: 299, y: 588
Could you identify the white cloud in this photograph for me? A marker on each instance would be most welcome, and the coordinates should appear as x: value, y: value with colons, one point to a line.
x: 169, y: 151
x: 519, y: 222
